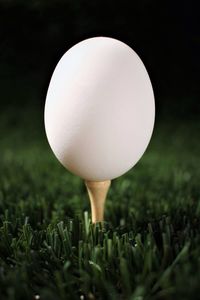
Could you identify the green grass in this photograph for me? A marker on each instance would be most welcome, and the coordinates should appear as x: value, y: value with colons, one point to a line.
x: 149, y: 246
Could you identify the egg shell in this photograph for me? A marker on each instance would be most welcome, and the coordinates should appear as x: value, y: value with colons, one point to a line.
x: 100, y: 109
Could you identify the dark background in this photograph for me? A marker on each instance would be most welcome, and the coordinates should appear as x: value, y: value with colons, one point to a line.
x: 165, y: 34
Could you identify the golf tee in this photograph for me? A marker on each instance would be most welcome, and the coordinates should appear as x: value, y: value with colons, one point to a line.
x: 97, y: 191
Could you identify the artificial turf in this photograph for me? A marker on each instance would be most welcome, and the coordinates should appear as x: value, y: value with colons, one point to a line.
x: 149, y: 246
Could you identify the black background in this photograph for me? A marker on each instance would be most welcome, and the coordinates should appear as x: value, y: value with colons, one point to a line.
x: 165, y: 34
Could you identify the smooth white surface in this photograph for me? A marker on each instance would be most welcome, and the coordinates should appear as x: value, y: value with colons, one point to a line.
x: 99, y: 111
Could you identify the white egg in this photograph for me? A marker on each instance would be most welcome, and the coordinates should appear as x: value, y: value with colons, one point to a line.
x: 100, y: 110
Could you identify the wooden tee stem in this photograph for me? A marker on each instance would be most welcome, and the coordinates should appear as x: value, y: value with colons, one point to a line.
x: 97, y: 191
